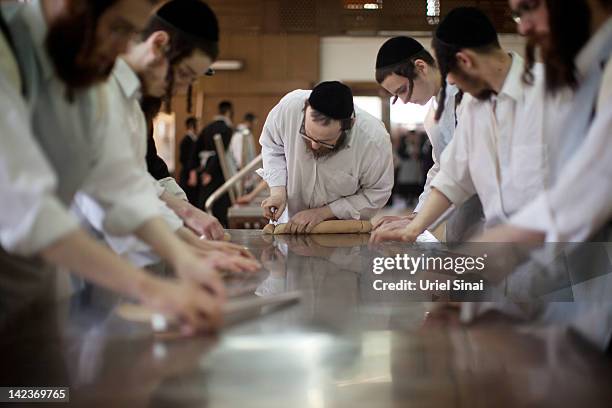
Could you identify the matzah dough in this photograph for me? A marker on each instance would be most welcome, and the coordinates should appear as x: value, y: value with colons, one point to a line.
x: 327, y: 227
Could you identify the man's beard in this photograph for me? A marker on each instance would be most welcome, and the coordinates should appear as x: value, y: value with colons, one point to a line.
x: 475, y: 87
x: 70, y: 44
x: 540, y: 42
x: 326, y: 151
x: 484, y: 95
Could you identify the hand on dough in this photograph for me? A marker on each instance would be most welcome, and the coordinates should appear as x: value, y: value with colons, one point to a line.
x: 394, y: 233
x: 393, y: 219
x: 304, y: 221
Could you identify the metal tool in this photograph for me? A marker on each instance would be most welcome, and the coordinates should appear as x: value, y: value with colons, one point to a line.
x: 274, y: 220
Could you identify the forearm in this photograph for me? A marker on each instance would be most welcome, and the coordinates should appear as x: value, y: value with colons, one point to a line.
x: 188, y: 236
x: 180, y: 207
x: 85, y: 257
x: 259, y: 188
x: 436, y: 204
x: 431, y: 174
x: 326, y: 213
x: 164, y: 242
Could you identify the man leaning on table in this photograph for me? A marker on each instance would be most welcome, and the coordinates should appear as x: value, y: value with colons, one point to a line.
x: 324, y: 159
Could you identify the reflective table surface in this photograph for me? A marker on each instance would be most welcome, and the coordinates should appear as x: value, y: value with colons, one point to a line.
x: 342, y: 345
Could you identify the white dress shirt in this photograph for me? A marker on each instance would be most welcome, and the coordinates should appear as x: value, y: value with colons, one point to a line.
x: 32, y: 217
x: 580, y: 201
x: 123, y: 93
x: 74, y: 135
x: 355, y: 181
x: 498, y: 151
x: 440, y: 134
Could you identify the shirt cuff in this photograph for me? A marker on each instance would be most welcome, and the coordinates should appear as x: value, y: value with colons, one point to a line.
x: 449, y: 187
x: 274, y: 177
x: 169, y: 184
x: 51, y: 222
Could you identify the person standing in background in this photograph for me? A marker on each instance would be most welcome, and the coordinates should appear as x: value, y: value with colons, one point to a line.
x: 242, y: 145
x: 187, y: 183
x: 206, y: 161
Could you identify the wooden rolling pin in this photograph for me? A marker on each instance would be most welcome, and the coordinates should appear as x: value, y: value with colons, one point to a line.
x: 327, y: 227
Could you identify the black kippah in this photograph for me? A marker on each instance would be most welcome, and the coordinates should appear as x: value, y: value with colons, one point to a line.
x: 333, y: 99
x: 396, y: 50
x: 466, y: 27
x: 193, y: 17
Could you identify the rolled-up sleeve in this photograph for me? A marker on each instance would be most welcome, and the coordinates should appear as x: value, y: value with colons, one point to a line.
x: 170, y: 185
x: 454, y: 179
x: 376, y: 183
x: 32, y: 218
x: 273, y: 150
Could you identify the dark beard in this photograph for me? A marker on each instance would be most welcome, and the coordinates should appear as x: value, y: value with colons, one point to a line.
x: 484, y: 95
x: 70, y: 43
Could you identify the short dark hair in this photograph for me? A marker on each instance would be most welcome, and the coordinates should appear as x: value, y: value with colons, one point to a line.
x: 249, y: 117
x: 446, y: 55
x: 405, y: 68
x: 225, y: 107
x: 191, y: 122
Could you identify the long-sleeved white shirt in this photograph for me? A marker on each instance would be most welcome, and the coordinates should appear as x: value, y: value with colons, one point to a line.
x: 123, y: 92
x: 579, y: 203
x: 440, y: 134
x: 32, y: 216
x: 498, y: 150
x: 355, y: 182
x: 74, y: 134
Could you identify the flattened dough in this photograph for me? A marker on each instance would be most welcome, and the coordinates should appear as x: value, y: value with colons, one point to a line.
x: 328, y: 227
x: 269, y: 229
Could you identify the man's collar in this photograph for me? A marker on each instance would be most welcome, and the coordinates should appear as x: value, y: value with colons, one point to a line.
x: 127, y: 79
x: 513, y: 84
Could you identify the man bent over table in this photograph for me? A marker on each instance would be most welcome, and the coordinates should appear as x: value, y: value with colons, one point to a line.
x: 323, y: 159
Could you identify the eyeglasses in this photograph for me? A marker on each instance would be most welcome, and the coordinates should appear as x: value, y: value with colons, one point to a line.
x: 305, y: 136
x: 525, y: 9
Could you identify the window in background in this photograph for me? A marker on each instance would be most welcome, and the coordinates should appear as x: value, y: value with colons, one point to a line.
x: 370, y: 104
x: 163, y: 133
x: 409, y: 115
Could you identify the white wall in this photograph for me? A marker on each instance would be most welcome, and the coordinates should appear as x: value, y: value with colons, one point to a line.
x: 353, y: 58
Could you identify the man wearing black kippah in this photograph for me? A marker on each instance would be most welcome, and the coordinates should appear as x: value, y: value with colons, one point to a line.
x: 146, y: 69
x: 324, y: 159
x: 409, y: 73
x: 498, y: 151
